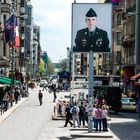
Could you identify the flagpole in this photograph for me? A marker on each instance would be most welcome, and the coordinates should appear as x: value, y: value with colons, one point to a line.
x: 12, y: 72
x: 13, y: 11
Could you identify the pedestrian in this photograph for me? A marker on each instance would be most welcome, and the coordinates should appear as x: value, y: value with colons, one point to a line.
x: 104, y: 118
x: 45, y: 87
x: 54, y: 92
x: 59, y: 106
x: 75, y: 115
x: 40, y: 96
x: 6, y: 101
x: 92, y: 37
x: 94, y: 120
x: 82, y: 114
x: 86, y: 113
x: 98, y: 118
x: 16, y: 95
x: 68, y: 116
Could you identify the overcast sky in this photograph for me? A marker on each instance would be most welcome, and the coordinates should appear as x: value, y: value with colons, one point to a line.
x: 54, y: 19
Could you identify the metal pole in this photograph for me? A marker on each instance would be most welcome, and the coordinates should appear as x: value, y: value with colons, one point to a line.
x: 72, y: 91
x: 13, y: 10
x: 90, y: 91
x: 12, y: 71
x: 137, y: 37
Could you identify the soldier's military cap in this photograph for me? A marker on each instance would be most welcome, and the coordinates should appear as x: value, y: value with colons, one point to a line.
x: 91, y: 13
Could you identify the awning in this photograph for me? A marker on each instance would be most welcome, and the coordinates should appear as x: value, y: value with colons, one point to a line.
x: 135, y: 76
x: 137, y: 84
x: 8, y: 80
x: 3, y: 81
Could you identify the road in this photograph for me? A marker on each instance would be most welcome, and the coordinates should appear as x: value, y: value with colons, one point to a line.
x: 126, y: 126
x: 31, y: 121
x: 34, y: 122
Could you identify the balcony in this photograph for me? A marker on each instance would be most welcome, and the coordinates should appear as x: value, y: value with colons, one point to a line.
x: 118, y: 8
x: 129, y: 39
x: 5, y: 7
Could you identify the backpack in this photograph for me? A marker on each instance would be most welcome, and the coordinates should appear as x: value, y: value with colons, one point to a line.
x: 82, y: 110
x: 74, y: 110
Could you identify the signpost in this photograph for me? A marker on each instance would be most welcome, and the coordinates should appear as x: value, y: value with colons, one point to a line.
x: 95, y: 37
x: 90, y: 92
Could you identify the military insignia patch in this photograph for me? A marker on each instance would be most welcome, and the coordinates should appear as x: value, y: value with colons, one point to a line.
x: 99, y: 42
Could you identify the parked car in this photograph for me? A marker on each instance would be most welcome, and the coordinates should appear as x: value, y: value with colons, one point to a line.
x: 43, y: 83
x: 128, y: 104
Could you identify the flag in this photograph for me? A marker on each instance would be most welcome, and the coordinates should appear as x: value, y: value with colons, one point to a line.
x: 11, y: 31
x: 44, y: 56
x: 17, y: 43
x: 116, y: 0
x: 9, y: 26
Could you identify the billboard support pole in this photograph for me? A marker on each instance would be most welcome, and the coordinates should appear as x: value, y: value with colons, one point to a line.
x: 90, y: 91
x: 72, y: 91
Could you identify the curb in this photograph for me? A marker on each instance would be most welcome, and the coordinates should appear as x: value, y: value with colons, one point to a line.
x: 85, y: 134
x: 6, y: 114
x: 58, y: 117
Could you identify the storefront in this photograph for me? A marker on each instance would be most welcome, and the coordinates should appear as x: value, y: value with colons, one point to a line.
x: 128, y: 72
x: 135, y: 84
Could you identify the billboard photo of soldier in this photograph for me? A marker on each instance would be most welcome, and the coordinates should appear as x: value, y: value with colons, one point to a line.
x: 91, y: 27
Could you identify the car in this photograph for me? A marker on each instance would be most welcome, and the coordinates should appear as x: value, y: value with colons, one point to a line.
x: 43, y: 83
x: 128, y: 104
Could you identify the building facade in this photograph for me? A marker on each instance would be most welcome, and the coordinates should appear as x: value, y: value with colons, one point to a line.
x: 23, y: 61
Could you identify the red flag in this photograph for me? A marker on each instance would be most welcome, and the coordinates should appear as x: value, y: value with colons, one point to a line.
x: 17, y: 43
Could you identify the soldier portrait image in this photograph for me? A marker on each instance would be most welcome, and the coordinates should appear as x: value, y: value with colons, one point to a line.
x: 92, y: 37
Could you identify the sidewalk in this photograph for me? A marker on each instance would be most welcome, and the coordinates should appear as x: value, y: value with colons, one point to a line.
x: 12, y: 109
x: 83, y: 132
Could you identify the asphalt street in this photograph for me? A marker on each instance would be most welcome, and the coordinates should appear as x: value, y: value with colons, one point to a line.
x: 34, y: 122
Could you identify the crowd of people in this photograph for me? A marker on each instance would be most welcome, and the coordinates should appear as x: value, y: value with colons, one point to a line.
x: 77, y: 113
x: 10, y: 95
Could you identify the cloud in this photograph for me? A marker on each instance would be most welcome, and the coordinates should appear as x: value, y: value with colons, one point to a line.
x: 54, y: 19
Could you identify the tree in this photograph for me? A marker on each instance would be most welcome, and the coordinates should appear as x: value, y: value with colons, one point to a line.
x: 41, y: 67
x: 50, y: 67
x: 63, y: 64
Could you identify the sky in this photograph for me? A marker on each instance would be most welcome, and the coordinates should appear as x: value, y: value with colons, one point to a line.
x: 54, y: 18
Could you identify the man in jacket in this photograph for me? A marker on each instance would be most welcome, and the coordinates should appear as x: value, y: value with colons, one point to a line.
x: 92, y: 37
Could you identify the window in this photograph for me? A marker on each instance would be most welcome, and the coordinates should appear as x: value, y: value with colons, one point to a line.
x: 4, y: 17
x: 100, y: 55
x: 118, y: 57
x: 119, y: 37
x: 22, y: 3
x: 119, y: 19
x: 4, y: 1
x: 85, y: 58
